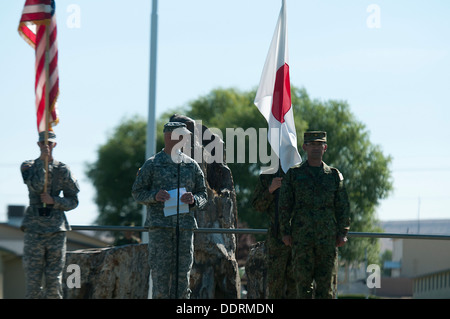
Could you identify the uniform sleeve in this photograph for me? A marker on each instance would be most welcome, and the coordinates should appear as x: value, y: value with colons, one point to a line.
x: 142, y: 191
x: 262, y: 198
x: 200, y: 195
x: 286, y: 204
x: 70, y: 190
x: 33, y: 174
x: 342, y: 206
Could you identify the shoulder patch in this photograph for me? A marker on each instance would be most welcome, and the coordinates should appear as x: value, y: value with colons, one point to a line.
x: 26, y: 165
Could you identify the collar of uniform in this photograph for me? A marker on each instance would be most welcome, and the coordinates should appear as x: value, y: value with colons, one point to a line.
x: 324, y: 167
x: 168, y: 158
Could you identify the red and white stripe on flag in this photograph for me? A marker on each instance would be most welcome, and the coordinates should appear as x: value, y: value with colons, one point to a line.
x: 273, y: 98
x: 37, y: 16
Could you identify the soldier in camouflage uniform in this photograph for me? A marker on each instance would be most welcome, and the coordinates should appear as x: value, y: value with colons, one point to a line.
x: 279, y: 274
x: 315, y: 220
x: 45, y: 227
x: 158, y: 175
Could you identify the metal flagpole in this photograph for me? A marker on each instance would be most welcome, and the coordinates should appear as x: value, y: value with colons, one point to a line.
x: 151, y: 123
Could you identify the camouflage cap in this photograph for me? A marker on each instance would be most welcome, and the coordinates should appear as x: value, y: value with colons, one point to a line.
x: 315, y: 136
x: 51, y: 136
x: 172, y: 126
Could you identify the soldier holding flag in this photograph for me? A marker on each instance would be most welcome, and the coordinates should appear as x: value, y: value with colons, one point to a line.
x: 45, y: 223
x: 273, y: 100
x: 52, y: 187
x: 279, y: 274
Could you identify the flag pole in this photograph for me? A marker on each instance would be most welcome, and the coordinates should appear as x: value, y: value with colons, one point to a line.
x: 47, y: 104
x: 151, y: 122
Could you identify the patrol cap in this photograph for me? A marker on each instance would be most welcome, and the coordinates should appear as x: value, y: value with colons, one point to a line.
x: 51, y: 136
x: 172, y: 126
x: 315, y: 136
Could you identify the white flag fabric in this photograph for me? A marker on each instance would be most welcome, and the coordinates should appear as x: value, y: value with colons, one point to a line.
x: 273, y: 98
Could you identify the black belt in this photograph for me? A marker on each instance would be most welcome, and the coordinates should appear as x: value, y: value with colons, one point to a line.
x: 43, y: 211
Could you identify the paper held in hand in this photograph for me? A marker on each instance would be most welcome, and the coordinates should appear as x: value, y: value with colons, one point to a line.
x: 170, y: 206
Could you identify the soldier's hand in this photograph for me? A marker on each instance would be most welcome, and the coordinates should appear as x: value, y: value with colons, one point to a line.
x: 187, y: 198
x: 276, y: 183
x: 162, y: 195
x: 47, y: 199
x: 287, y: 240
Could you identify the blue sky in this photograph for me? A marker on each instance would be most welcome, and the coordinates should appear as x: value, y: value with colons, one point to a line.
x: 395, y: 78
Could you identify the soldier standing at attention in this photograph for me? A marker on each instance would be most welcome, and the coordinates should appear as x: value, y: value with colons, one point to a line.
x: 315, y: 219
x: 279, y: 273
x: 155, y: 178
x: 44, y: 251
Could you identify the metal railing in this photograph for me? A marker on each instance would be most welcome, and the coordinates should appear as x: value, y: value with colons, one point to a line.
x: 259, y: 231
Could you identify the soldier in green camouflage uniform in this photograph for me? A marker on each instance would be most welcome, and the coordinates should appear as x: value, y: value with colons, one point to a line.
x: 315, y: 220
x: 158, y: 175
x: 279, y: 274
x: 45, y: 228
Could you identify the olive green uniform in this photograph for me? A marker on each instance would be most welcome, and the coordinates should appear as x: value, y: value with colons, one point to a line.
x: 279, y: 274
x: 314, y: 210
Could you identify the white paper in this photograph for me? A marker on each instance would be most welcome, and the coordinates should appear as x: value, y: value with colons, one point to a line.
x: 170, y: 206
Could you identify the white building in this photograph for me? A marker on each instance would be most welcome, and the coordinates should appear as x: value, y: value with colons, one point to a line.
x: 425, y: 262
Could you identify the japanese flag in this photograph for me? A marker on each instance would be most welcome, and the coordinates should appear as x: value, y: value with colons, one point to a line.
x: 273, y: 98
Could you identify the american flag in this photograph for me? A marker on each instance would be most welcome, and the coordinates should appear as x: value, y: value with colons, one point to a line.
x: 37, y: 16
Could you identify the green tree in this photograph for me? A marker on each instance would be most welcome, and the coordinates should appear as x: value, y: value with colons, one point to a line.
x: 114, y: 172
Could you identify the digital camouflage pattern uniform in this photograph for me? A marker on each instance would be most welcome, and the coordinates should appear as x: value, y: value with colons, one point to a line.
x: 279, y: 274
x: 45, y: 236
x: 160, y: 172
x: 314, y: 210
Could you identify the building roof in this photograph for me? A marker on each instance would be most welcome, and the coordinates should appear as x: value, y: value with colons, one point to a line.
x: 11, y: 240
x: 426, y: 226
